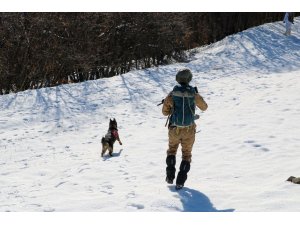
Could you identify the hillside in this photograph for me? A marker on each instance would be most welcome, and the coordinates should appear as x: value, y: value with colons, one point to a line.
x: 247, y: 142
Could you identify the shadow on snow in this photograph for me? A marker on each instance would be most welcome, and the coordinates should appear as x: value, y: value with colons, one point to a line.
x: 114, y: 154
x: 195, y: 201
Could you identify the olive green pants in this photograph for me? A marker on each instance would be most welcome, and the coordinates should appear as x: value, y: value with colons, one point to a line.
x: 184, y: 136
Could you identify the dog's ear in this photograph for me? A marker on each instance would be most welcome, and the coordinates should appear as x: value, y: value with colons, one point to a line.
x: 110, y: 119
x: 114, y: 119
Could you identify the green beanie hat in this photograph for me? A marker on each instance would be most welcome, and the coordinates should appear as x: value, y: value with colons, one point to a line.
x: 184, y: 76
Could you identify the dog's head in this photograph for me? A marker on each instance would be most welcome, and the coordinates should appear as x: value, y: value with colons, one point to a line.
x: 291, y: 178
x: 113, y: 124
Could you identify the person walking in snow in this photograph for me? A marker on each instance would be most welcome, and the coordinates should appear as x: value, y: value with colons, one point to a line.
x: 179, y: 105
x: 288, y: 20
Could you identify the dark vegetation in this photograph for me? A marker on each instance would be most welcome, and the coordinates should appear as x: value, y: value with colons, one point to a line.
x: 47, y: 49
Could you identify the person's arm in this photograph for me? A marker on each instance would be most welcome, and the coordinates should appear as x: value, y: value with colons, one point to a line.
x: 201, y: 104
x: 167, y: 106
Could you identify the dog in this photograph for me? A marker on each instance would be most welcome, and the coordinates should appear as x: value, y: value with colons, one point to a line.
x: 110, y: 137
x: 295, y: 180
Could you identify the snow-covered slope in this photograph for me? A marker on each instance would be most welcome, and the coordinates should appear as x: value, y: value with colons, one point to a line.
x: 247, y: 142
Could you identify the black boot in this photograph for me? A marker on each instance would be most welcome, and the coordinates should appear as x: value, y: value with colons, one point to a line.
x: 171, y: 161
x: 182, y: 174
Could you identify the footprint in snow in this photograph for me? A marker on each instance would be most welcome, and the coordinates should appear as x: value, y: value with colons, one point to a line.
x: 49, y: 209
x: 4, y: 174
x: 83, y: 170
x: 36, y: 205
x: 255, y: 145
x: 108, y: 186
x: 60, y: 183
x: 265, y: 149
x: 137, y: 206
x: 131, y: 195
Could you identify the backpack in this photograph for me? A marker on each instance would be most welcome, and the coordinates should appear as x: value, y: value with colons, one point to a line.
x: 184, y: 106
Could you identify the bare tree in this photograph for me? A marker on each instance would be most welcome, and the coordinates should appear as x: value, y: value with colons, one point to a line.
x: 47, y: 49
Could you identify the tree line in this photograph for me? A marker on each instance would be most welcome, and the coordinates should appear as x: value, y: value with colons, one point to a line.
x: 47, y: 49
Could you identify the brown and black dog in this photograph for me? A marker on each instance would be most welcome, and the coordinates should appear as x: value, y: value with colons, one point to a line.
x: 110, y: 137
x: 295, y: 180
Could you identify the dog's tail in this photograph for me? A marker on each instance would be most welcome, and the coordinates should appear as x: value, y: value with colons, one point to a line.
x: 102, y: 140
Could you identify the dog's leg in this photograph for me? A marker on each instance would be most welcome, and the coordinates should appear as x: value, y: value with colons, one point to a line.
x: 110, y: 150
x: 104, y: 148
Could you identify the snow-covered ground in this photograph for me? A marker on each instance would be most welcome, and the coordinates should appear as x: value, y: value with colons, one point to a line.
x: 247, y: 142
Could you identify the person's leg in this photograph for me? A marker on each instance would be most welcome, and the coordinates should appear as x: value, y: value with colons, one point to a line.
x: 187, y: 142
x: 286, y: 28
x: 174, y: 141
x: 290, y: 31
x: 182, y: 174
x: 170, y: 169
